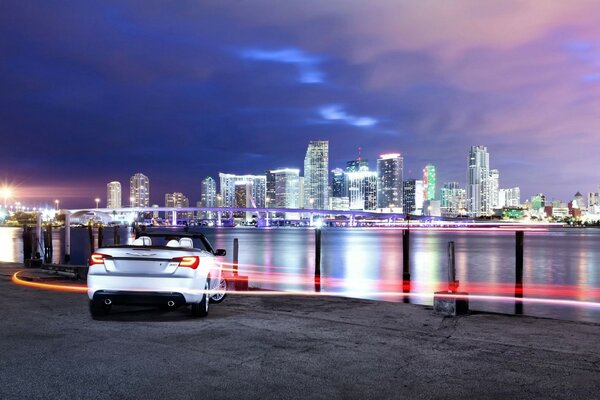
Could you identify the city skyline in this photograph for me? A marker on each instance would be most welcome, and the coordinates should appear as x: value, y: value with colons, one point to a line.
x: 242, y: 89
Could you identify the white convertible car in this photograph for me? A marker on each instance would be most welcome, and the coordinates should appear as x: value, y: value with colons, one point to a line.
x: 168, y: 275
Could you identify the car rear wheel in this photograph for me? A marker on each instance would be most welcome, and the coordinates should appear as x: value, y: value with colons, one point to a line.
x: 201, y: 309
x: 220, y: 292
x: 99, y: 309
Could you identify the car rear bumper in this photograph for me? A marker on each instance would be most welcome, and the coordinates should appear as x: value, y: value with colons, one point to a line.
x: 139, y: 298
x: 192, y: 289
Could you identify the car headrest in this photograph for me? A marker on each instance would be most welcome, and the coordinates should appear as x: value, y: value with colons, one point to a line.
x: 173, y: 243
x: 186, y: 242
x: 142, y: 241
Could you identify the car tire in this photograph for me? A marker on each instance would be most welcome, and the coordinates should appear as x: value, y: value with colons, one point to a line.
x: 99, y: 309
x: 201, y: 309
x: 221, y: 292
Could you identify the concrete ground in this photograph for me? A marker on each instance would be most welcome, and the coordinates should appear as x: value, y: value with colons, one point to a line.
x: 286, y: 347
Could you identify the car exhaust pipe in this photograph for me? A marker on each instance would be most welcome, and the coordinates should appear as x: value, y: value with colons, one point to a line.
x: 108, y: 302
x: 170, y: 303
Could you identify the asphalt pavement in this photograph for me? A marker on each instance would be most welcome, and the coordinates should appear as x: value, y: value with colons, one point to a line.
x: 285, y: 347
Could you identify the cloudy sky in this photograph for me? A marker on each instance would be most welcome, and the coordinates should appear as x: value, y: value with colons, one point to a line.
x: 96, y: 91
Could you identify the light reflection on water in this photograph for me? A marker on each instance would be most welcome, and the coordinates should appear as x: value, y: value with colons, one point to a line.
x: 370, y: 260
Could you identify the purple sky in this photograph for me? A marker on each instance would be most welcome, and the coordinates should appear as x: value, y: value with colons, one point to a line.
x: 96, y: 91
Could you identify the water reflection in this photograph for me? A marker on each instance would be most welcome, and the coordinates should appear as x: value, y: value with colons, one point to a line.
x: 358, y: 260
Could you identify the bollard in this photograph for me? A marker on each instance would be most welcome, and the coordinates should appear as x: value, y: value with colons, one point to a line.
x: 240, y: 282
x: 116, y: 238
x: 100, y: 236
x: 26, y: 243
x: 406, y: 263
x: 67, y: 238
x: 452, y: 282
x: 91, y: 238
x: 519, y: 241
x: 317, y: 260
x: 451, y: 302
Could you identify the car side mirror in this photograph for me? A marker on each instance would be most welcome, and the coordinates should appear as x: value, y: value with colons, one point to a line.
x: 220, y: 252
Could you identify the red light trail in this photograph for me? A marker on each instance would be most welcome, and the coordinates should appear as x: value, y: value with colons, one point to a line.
x: 503, y: 292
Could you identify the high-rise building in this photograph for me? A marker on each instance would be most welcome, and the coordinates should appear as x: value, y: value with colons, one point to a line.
x: 339, y: 187
x: 256, y: 199
x: 316, y: 175
x: 113, y: 194
x: 208, y: 192
x: 283, y: 188
x: 493, y: 188
x: 389, y: 182
x: 177, y: 200
x: 453, y: 199
x: 478, y: 182
x: 592, y: 199
x: 357, y: 165
x: 362, y: 189
x: 510, y: 197
x: 429, y: 180
x: 413, y: 196
x: 139, y: 190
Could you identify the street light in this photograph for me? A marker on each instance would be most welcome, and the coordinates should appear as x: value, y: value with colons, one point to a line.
x: 311, y: 201
x: 131, y: 200
x: 6, y: 193
x: 97, y: 200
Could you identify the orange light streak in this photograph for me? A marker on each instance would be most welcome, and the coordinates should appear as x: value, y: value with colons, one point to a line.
x: 48, y: 286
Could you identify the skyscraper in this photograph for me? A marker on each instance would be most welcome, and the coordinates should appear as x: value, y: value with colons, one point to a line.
x: 478, y: 176
x: 257, y: 188
x: 389, y: 181
x: 362, y: 189
x: 113, y: 194
x: 429, y: 182
x: 208, y: 192
x: 453, y: 200
x: 413, y: 196
x: 177, y: 200
x: 493, y: 188
x: 283, y: 188
x: 339, y: 186
x: 316, y: 175
x: 139, y: 190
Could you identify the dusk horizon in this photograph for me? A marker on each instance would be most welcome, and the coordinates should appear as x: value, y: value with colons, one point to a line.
x: 96, y: 92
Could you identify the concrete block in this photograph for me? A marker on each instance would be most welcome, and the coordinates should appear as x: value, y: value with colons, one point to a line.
x: 240, y: 283
x: 450, y: 304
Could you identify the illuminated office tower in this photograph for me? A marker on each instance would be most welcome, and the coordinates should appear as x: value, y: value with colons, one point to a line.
x: 113, y: 194
x: 493, y: 187
x: 256, y: 195
x: 389, y: 182
x: 453, y: 199
x: 510, y: 197
x: 338, y: 183
x: 177, y: 200
x: 478, y: 182
x: 413, y: 196
x: 139, y: 190
x: 283, y: 188
x: 362, y: 189
x: 429, y: 181
x: 316, y: 175
x: 208, y: 192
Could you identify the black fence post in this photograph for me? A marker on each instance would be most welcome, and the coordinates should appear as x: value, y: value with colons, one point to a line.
x: 519, y: 242
x: 406, y: 262
x: 91, y: 238
x: 317, y: 260
x: 100, y: 236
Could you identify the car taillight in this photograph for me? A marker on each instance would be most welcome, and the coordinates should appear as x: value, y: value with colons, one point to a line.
x: 97, y: 259
x: 188, y: 261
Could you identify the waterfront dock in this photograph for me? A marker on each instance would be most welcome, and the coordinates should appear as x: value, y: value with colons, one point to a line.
x: 286, y: 347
